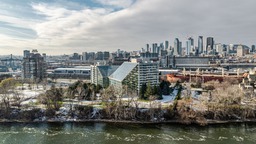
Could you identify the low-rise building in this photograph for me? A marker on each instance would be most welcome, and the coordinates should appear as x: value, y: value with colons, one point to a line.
x: 249, y: 81
x: 79, y: 72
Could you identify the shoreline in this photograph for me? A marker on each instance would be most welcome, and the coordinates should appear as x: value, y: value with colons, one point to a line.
x: 208, y: 123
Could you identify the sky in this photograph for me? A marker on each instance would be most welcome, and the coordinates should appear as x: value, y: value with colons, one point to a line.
x: 57, y: 27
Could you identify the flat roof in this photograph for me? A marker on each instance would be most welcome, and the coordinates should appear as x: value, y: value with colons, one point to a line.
x: 72, y: 69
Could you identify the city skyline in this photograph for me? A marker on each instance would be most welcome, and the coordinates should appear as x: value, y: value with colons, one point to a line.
x: 63, y: 27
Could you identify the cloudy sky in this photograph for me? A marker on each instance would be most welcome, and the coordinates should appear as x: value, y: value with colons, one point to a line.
x: 65, y: 26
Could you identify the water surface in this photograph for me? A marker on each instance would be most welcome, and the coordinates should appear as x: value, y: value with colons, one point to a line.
x: 95, y: 133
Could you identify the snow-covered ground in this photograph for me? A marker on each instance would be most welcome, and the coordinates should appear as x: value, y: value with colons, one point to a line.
x: 169, y: 98
x: 27, y: 96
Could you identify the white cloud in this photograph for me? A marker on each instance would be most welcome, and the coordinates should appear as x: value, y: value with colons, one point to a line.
x: 63, y: 23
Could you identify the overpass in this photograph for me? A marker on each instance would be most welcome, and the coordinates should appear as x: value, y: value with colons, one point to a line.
x: 238, y: 65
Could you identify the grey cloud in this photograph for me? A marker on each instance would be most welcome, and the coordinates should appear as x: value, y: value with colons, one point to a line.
x: 150, y: 21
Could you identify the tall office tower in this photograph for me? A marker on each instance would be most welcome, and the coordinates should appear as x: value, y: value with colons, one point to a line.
x: 209, y: 44
x: 240, y: 51
x: 166, y: 45
x: 84, y: 56
x: 180, y: 48
x: 99, y: 55
x: 106, y: 55
x: 190, y: 46
x: 158, y: 49
x: 227, y: 49
x: 154, y: 48
x: 91, y: 56
x: 161, y: 46
x: 219, y: 48
x: 147, y: 47
x: 26, y: 53
x: 34, y: 67
x: 200, y: 45
x: 192, y: 42
x: 176, y: 47
x: 253, y: 48
x: 118, y: 52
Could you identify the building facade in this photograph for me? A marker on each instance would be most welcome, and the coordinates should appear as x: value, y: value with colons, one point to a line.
x: 34, y: 66
x: 200, y: 45
x: 176, y: 49
x: 190, y: 46
x: 78, y: 72
x: 134, y: 75
x: 100, y: 74
x: 209, y: 44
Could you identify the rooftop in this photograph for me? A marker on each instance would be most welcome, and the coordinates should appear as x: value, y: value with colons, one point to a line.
x: 121, y: 73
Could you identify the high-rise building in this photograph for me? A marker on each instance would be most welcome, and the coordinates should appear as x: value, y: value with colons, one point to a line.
x: 26, y: 53
x: 161, y: 46
x: 106, y: 55
x: 190, y: 46
x: 84, y: 56
x: 180, y: 48
x: 91, y: 56
x: 176, y: 47
x: 99, y: 55
x: 240, y: 51
x: 253, y: 48
x: 209, y: 44
x: 147, y: 47
x: 34, y: 67
x: 219, y: 48
x: 200, y: 45
x: 154, y: 48
x: 166, y: 45
x: 75, y: 56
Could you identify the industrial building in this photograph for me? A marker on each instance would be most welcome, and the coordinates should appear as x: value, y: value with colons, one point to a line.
x: 79, y: 72
x: 189, y: 62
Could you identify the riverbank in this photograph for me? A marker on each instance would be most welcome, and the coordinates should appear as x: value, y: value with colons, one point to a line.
x: 209, y: 122
x: 127, y: 115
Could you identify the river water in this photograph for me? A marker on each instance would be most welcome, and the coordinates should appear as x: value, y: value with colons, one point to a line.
x: 96, y: 133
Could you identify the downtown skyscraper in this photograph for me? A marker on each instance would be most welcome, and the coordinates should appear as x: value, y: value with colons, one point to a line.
x: 200, y: 45
x: 190, y: 46
x: 177, y: 48
x: 209, y: 44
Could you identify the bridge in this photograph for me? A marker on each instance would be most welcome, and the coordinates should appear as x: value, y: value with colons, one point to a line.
x: 238, y: 65
x: 11, y: 61
x: 210, y: 66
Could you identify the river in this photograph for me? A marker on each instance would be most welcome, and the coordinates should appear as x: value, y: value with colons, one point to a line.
x: 96, y: 133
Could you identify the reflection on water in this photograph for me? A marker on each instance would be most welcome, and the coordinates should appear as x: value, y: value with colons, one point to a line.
x: 80, y: 133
